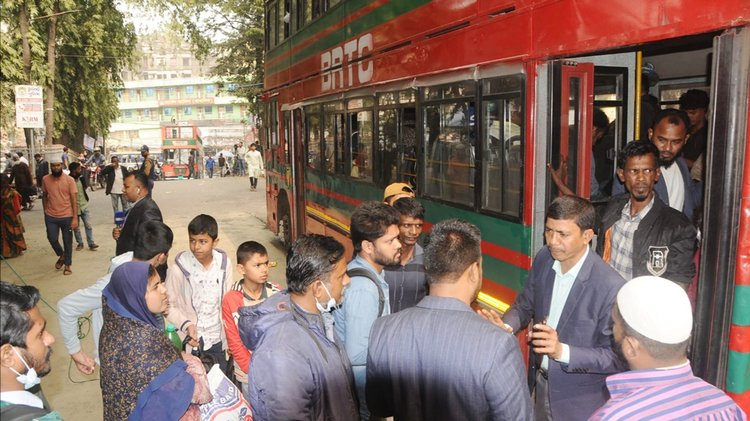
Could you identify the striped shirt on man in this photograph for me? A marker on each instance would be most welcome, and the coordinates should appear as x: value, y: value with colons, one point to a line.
x: 665, y: 394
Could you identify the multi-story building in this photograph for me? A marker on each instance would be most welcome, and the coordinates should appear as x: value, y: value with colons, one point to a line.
x: 171, y: 86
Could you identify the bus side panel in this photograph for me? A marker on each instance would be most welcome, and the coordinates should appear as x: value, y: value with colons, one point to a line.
x: 738, y: 377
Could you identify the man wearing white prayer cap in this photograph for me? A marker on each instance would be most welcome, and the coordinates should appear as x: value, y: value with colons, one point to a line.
x: 653, y: 322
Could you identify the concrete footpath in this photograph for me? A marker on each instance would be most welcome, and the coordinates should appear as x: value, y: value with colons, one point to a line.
x: 241, y: 215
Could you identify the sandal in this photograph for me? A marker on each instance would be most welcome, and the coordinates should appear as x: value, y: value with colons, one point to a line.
x: 60, y: 262
x: 67, y: 271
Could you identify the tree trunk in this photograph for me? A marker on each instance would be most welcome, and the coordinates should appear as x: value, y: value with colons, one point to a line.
x: 23, y: 26
x: 49, y: 109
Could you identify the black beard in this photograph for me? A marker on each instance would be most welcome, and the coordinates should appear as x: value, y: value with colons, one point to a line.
x: 617, y: 349
x: 666, y: 163
x: 56, y: 174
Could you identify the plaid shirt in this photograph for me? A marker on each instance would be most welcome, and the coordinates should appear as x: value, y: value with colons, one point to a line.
x: 621, y: 258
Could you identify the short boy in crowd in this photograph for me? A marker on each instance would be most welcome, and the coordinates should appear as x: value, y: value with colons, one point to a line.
x: 252, y: 289
x: 196, y: 284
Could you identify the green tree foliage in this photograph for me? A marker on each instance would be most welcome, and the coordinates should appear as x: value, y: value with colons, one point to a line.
x: 232, y: 31
x: 92, y: 44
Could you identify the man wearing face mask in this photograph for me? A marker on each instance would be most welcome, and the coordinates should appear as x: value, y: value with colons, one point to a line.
x: 299, y: 369
x: 374, y: 231
x: 24, y: 353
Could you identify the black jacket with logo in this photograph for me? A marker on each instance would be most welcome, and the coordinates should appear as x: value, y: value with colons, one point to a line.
x: 663, y: 243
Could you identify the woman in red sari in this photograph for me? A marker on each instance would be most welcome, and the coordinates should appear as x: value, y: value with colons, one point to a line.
x: 11, y: 227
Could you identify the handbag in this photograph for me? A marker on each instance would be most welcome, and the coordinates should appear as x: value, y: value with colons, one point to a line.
x: 227, y: 404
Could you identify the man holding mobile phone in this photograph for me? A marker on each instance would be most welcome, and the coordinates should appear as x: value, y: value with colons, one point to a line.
x: 568, y: 296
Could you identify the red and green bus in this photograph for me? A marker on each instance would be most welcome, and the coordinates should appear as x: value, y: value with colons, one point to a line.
x: 179, y: 144
x: 469, y: 100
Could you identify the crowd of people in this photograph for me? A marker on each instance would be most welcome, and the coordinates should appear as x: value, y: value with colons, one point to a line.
x: 66, y: 198
x: 391, y: 332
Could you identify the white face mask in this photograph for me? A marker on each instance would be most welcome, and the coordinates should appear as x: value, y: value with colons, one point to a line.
x: 28, y: 380
x: 330, y: 305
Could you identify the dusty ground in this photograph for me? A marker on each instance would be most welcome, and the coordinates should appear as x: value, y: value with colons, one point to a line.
x: 241, y: 215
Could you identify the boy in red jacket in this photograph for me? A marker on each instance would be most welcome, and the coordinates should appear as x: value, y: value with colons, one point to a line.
x: 252, y: 289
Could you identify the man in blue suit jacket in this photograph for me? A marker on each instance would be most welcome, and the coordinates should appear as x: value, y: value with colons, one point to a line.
x: 569, y: 295
x: 670, y: 134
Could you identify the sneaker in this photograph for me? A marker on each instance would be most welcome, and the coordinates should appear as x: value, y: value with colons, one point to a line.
x: 79, y: 247
x: 93, y: 247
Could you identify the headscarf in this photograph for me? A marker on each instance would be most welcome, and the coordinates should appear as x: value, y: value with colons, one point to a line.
x: 126, y: 293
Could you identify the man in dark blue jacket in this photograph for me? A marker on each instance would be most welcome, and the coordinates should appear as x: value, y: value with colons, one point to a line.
x: 299, y: 369
x: 568, y: 296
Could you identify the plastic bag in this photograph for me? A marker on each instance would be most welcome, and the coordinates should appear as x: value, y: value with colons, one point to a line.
x: 228, y: 403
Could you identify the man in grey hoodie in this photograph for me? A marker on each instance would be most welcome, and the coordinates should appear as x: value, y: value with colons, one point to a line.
x: 298, y: 367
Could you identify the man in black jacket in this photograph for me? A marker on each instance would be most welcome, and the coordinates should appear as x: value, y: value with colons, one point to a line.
x: 42, y: 169
x: 115, y: 175
x: 640, y: 235
x: 143, y: 209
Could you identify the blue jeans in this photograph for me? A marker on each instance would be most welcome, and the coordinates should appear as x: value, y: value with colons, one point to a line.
x: 86, y: 218
x: 54, y: 226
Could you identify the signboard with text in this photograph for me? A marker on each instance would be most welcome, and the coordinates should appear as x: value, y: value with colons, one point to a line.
x: 29, y: 107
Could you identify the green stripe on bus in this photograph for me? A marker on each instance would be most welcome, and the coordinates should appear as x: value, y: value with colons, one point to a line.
x: 738, y: 372
x: 511, y: 235
x: 741, y: 311
x: 377, y: 17
x: 504, y: 273
x: 328, y: 20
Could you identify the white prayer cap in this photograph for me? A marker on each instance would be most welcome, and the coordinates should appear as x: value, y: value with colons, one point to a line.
x: 657, y: 308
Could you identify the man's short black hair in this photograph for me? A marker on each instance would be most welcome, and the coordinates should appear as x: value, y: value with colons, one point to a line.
x: 573, y: 207
x: 140, y: 178
x: 693, y: 99
x: 153, y: 238
x: 312, y: 257
x: 247, y: 249
x: 451, y: 246
x: 409, y: 206
x: 37, y: 155
x: 73, y: 166
x: 673, y: 116
x: 636, y: 148
x: 15, y: 302
x: 370, y: 222
x: 204, y: 224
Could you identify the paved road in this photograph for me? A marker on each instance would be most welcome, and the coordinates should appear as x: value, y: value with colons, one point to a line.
x: 241, y: 215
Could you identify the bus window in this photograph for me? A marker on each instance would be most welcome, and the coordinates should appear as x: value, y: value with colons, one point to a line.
x: 396, y: 146
x: 387, y: 145
x: 334, y: 138
x: 361, y: 144
x: 450, y: 135
x: 312, y: 140
x: 502, y: 153
x: 360, y: 138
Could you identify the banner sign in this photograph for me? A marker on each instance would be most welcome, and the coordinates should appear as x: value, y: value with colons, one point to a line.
x: 29, y: 107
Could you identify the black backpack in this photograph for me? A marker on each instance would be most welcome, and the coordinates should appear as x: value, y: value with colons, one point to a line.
x: 371, y: 276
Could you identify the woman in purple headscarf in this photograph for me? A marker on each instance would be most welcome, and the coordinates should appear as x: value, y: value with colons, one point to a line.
x: 143, y: 377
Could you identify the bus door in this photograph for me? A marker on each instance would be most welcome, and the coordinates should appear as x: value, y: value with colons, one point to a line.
x: 298, y: 160
x: 571, y: 143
